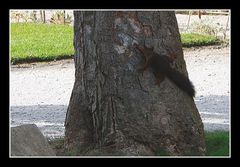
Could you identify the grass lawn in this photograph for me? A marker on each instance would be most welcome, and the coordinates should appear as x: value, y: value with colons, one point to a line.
x: 191, y: 39
x: 45, y: 42
x: 217, y: 144
x: 40, y: 42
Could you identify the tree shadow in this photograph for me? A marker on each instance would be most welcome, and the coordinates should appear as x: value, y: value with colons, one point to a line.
x: 214, y: 111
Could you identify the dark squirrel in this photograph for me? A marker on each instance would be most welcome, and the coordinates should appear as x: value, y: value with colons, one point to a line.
x: 160, y: 65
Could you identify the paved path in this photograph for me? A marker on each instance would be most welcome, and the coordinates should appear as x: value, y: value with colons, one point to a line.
x: 40, y: 92
x: 209, y: 69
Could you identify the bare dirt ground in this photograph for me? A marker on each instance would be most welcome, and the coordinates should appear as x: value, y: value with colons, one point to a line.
x: 40, y: 92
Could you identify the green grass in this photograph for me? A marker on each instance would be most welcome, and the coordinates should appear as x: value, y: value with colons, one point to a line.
x: 45, y: 42
x: 217, y: 144
x: 192, y: 39
x: 162, y: 152
x: 58, y: 145
x: 40, y: 42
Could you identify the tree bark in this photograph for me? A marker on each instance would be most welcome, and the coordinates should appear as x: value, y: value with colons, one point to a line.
x: 114, y: 109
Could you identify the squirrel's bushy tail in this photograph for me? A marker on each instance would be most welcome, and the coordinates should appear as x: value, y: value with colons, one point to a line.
x: 181, y: 81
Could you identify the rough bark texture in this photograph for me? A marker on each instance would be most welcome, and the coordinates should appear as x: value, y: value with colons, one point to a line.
x: 115, y: 110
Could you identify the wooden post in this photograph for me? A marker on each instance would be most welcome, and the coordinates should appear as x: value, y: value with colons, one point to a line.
x: 64, y: 17
x: 189, y: 16
x: 44, y: 17
x: 226, y: 27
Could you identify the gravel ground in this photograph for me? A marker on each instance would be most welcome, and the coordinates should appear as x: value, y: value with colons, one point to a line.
x: 40, y: 92
x: 209, y: 69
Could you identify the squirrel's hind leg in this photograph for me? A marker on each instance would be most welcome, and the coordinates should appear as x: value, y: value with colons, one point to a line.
x: 159, y: 79
x: 143, y: 68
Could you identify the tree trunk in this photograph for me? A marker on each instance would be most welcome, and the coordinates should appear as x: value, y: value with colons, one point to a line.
x: 114, y: 109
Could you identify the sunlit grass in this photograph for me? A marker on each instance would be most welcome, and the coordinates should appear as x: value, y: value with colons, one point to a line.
x: 192, y: 39
x: 40, y: 42
x: 45, y: 42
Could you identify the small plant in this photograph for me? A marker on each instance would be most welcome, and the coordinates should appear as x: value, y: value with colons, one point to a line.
x: 72, y: 152
x: 16, y: 16
x: 68, y: 19
x: 60, y: 17
x: 207, y: 27
x: 57, y: 144
x: 25, y: 16
x: 57, y: 18
x: 33, y: 16
x: 162, y: 152
x: 204, y: 28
